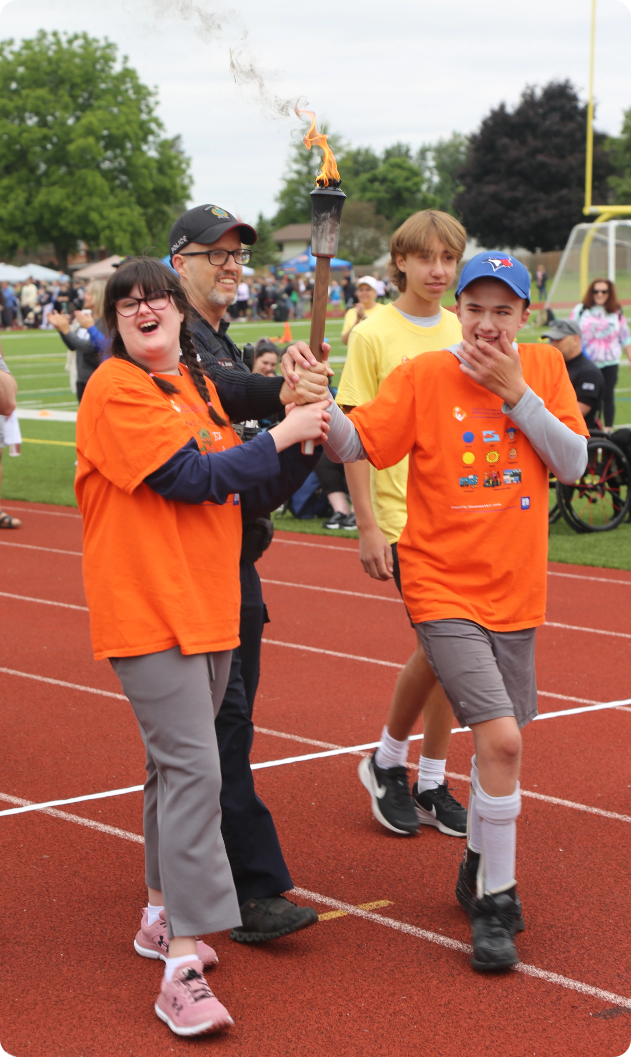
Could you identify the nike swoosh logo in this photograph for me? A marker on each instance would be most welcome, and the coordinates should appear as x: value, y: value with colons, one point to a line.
x: 380, y: 791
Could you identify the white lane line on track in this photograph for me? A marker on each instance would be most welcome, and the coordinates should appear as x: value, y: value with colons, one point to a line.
x: 332, y: 653
x: 456, y: 945
x: 367, y: 915
x: 62, y: 682
x: 32, y: 547
x: 89, y: 823
x: 321, y: 546
x: 332, y: 591
x: 48, y: 513
x: 591, y: 631
x: 353, y: 911
x: 30, y: 805
x: 557, y: 801
x: 594, y: 579
x: 42, y: 601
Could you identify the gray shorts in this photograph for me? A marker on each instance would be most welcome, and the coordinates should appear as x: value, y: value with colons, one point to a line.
x: 485, y: 674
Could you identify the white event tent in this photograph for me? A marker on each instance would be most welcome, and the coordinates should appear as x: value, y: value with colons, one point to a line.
x: 9, y: 273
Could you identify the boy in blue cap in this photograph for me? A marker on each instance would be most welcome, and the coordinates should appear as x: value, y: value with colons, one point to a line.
x: 483, y: 422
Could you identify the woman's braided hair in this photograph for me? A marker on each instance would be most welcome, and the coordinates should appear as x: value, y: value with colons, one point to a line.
x: 150, y: 274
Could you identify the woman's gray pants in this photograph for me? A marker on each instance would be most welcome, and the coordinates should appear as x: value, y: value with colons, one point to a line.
x: 175, y: 699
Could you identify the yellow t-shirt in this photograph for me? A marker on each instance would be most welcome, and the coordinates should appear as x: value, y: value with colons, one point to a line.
x: 375, y: 348
x: 351, y: 316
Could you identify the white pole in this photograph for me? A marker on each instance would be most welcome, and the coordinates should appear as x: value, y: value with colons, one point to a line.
x: 611, y: 251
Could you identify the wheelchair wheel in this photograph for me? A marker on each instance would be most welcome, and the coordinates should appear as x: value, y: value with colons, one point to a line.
x: 554, y: 512
x: 600, y: 500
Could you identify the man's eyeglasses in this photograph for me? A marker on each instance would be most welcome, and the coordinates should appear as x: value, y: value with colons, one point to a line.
x: 219, y: 257
x: 156, y: 301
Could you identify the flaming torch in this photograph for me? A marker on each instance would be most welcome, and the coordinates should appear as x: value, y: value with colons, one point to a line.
x: 326, y: 213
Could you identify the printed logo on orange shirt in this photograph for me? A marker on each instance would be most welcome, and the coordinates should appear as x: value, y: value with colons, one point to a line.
x: 492, y: 457
x: 459, y: 414
x: 468, y: 458
x: 512, y: 454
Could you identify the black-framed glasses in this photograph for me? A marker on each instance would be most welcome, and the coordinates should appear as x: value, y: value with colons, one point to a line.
x: 219, y: 257
x: 156, y: 301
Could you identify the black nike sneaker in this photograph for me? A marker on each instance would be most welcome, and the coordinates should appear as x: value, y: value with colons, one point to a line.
x: 437, y: 807
x: 493, y: 926
x: 467, y: 888
x: 390, y: 796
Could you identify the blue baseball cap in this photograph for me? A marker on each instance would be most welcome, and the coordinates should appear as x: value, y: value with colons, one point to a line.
x: 494, y: 264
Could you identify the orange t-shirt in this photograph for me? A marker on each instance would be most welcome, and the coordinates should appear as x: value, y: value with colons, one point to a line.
x: 476, y: 540
x: 157, y: 573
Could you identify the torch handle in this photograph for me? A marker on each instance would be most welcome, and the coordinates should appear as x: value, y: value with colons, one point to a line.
x: 318, y: 320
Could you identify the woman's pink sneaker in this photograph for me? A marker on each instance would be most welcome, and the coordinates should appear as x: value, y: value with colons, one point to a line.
x: 152, y: 942
x: 187, y: 1004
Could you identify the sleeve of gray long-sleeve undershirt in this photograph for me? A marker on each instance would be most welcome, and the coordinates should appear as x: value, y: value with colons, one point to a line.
x: 562, y: 450
x: 343, y: 443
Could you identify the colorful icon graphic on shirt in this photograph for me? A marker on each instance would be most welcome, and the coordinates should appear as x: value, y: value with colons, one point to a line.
x: 175, y: 406
x: 459, y: 414
x: 469, y: 482
x: 489, y: 436
x: 492, y: 457
x: 512, y: 476
x: 492, y: 479
x: 525, y: 502
x: 512, y: 454
x: 511, y: 433
x: 468, y: 437
x: 468, y: 458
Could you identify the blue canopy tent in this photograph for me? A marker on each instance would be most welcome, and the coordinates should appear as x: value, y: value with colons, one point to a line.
x: 306, y: 262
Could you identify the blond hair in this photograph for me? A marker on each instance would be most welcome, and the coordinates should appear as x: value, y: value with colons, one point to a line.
x: 416, y: 234
x: 97, y: 289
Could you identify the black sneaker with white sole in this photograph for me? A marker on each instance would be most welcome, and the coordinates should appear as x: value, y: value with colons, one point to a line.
x: 269, y: 918
x: 493, y: 927
x: 467, y: 888
x: 437, y: 807
x: 335, y: 521
x: 390, y: 796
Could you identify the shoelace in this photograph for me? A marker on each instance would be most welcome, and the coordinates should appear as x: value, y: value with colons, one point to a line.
x: 196, y: 985
x: 444, y: 794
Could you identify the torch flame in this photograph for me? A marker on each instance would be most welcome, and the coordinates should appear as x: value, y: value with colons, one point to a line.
x: 328, y: 173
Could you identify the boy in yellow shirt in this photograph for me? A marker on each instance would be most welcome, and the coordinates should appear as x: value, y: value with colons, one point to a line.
x: 424, y: 254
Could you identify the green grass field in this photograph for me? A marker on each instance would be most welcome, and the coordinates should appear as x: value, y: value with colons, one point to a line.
x: 44, y: 472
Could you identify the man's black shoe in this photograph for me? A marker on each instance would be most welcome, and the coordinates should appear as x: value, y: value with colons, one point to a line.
x: 390, y: 796
x: 467, y: 888
x: 493, y: 925
x: 271, y: 917
x: 437, y: 807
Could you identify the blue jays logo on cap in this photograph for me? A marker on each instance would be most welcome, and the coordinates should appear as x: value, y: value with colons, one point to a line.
x: 496, y: 265
x: 499, y: 262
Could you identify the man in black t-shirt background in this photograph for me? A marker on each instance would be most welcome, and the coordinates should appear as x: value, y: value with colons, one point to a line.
x: 586, y: 378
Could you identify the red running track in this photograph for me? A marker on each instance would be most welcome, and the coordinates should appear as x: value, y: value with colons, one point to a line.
x: 392, y: 979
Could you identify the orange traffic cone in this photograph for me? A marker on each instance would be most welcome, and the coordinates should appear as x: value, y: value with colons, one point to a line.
x: 287, y: 334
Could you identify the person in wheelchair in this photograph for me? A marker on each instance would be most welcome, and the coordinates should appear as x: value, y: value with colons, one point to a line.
x: 586, y: 379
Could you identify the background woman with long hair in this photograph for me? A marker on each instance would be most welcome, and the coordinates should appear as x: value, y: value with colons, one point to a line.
x: 605, y: 335
x: 160, y: 481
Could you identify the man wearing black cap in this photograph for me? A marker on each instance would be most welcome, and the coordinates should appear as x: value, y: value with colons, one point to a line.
x: 585, y: 377
x: 207, y: 253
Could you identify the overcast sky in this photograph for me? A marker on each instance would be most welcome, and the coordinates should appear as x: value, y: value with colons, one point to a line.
x: 377, y: 71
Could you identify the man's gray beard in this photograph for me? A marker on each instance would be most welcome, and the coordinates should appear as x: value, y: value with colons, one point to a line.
x: 215, y: 298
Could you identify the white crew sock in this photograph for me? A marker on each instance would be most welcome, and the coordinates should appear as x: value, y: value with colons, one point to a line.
x: 391, y: 753
x: 153, y: 913
x: 498, y: 815
x: 172, y: 964
x: 431, y: 773
x: 474, y: 822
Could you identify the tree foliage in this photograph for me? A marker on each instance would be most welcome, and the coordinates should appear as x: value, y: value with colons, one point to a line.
x: 82, y: 151
x: 303, y: 167
x: 264, y: 250
x: 620, y: 181
x: 364, y: 235
x: 523, y: 178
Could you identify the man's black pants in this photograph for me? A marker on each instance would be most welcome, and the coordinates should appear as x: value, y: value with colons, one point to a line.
x: 247, y: 826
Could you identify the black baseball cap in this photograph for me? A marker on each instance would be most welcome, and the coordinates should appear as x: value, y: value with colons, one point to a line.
x: 562, y: 328
x: 206, y: 224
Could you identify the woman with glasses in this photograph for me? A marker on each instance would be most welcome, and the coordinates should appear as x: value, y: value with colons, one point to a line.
x: 161, y: 474
x: 605, y: 335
